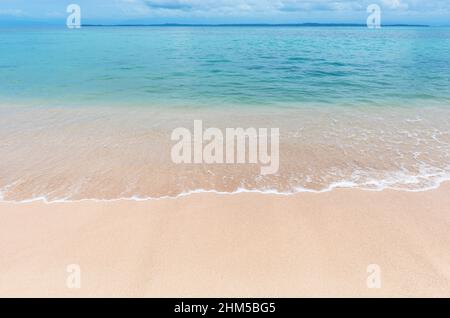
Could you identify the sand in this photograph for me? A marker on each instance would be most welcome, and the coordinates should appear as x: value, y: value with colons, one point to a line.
x: 244, y: 245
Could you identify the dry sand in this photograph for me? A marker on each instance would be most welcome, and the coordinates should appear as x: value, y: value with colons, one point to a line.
x: 246, y: 245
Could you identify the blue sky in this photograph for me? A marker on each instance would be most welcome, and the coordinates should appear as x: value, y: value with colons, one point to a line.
x: 434, y: 12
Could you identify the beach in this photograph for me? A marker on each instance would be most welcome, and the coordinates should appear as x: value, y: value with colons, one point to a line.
x: 243, y: 245
x: 97, y: 199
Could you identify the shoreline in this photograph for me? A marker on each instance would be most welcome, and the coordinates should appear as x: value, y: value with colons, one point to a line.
x: 330, y: 189
x: 95, y: 153
x: 245, y: 245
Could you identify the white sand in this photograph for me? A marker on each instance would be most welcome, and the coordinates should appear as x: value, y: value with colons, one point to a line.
x: 245, y: 245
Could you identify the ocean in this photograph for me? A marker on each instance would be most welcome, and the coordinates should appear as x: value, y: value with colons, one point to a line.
x: 88, y: 113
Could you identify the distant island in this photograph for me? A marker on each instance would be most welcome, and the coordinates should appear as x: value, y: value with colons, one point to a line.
x: 252, y: 25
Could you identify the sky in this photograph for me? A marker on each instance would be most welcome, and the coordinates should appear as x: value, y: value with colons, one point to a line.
x: 432, y: 12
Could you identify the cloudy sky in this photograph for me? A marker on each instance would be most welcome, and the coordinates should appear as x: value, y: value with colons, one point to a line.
x: 434, y: 12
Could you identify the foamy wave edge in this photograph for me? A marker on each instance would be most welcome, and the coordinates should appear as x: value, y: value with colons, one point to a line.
x: 334, y: 186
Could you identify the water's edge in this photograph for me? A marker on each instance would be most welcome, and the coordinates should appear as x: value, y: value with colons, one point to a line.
x: 331, y: 188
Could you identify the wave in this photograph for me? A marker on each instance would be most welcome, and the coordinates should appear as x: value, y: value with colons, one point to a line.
x: 372, y: 186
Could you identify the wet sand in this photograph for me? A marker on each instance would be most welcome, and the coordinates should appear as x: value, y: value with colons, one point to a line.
x: 244, y: 245
x: 108, y: 153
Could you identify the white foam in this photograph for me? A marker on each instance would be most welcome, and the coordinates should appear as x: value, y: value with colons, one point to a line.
x: 379, y: 187
x: 429, y: 178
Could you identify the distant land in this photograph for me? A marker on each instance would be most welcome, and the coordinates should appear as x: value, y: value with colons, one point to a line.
x: 254, y: 25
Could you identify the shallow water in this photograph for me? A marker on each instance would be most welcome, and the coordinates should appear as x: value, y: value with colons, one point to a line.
x: 216, y: 66
x: 88, y: 114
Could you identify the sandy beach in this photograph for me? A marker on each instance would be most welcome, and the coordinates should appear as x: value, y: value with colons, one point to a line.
x: 244, y: 245
x: 230, y: 149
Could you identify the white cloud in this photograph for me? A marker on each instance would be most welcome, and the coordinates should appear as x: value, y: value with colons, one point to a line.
x: 395, y: 4
x: 211, y: 11
x: 12, y: 12
x: 395, y: 11
x: 239, y: 7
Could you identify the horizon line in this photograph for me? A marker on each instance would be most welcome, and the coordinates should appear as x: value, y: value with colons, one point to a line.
x: 250, y: 25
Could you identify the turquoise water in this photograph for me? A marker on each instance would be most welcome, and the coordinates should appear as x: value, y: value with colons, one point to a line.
x: 88, y: 114
x: 225, y: 65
